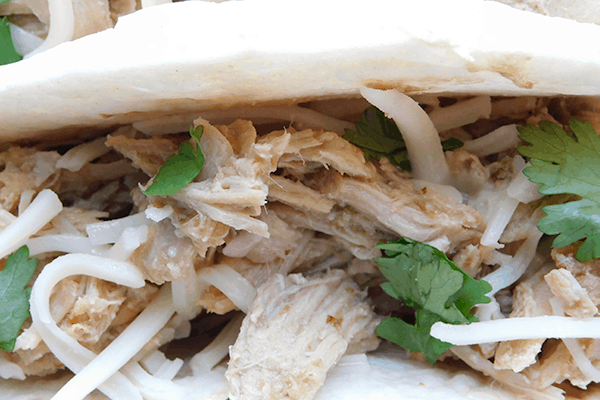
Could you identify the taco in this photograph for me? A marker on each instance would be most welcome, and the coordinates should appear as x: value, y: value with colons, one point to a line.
x: 228, y: 174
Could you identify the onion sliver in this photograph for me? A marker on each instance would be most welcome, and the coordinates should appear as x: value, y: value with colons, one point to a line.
x: 62, y: 25
x: 504, y: 138
x: 123, y: 348
x: 509, y: 273
x: 422, y: 139
x: 66, y: 349
x: 41, y: 211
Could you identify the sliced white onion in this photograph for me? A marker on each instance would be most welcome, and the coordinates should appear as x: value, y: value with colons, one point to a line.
x: 158, y: 214
x: 509, y: 273
x: 461, y: 113
x: 212, y: 354
x: 41, y: 211
x: 74, y: 159
x: 422, y: 140
x: 62, y: 25
x: 501, y: 139
x: 582, y: 361
x: 154, y: 317
x: 66, y: 349
x: 25, y: 42
x: 111, y: 231
x: 231, y: 283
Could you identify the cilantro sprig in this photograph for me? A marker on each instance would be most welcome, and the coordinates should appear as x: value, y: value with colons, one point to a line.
x: 565, y: 164
x: 14, y: 297
x: 378, y: 137
x: 8, y: 54
x: 426, y: 280
x: 180, y: 169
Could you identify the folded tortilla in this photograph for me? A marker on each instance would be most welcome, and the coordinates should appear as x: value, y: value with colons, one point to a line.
x: 192, y: 57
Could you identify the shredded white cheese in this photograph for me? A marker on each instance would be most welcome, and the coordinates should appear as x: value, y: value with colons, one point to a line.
x: 230, y: 282
x: 122, y: 349
x: 66, y: 349
x: 212, y: 354
x: 111, y: 231
x: 41, y: 211
x: 501, y: 330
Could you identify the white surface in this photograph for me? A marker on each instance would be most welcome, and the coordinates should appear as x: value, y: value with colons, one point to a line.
x: 388, y: 376
x: 190, y: 56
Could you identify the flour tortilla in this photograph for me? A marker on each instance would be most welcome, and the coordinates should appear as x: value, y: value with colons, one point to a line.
x: 194, y: 56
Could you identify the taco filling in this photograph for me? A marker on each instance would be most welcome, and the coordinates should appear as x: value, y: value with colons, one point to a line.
x: 312, y: 238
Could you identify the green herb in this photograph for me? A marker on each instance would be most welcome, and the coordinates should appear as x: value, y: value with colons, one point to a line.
x: 426, y: 280
x: 378, y: 136
x: 180, y: 169
x: 8, y: 54
x: 14, y: 298
x: 564, y: 164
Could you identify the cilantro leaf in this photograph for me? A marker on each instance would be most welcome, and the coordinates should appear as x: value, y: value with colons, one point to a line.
x: 378, y: 136
x: 14, y: 298
x: 8, y: 54
x: 414, y: 338
x: 180, y: 169
x: 564, y: 164
x: 425, y: 279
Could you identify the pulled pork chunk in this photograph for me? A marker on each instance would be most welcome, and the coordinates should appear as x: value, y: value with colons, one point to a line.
x: 91, y: 310
x: 575, y: 300
x: 233, y: 187
x: 519, y: 354
x: 297, y: 195
x: 25, y: 169
x: 146, y: 154
x: 354, y: 231
x: 309, y: 147
x: 587, y: 274
x: 164, y: 256
x: 296, y: 330
x: 422, y: 215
